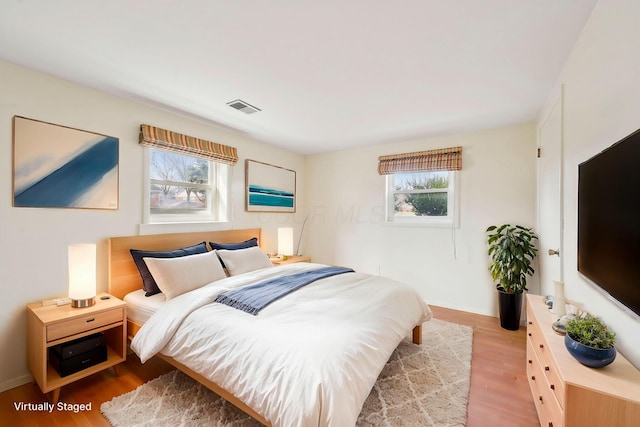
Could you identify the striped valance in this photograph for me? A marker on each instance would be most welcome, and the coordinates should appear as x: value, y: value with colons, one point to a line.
x: 160, y: 138
x: 443, y: 159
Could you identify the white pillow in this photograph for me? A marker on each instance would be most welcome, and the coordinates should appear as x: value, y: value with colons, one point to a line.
x: 240, y: 261
x: 175, y: 276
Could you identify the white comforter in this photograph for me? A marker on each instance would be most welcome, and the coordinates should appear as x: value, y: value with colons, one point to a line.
x: 308, y: 359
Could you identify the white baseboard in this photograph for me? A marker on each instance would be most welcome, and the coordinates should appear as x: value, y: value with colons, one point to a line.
x: 16, y: 382
x: 474, y: 310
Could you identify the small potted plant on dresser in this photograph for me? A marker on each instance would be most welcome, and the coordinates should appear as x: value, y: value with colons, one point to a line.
x: 512, y: 250
x: 590, y: 341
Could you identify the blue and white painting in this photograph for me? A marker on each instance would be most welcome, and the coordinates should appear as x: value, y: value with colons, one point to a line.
x: 270, y: 188
x: 61, y: 167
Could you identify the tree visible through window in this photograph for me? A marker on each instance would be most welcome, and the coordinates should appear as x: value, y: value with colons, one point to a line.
x: 421, y: 196
x: 181, y: 186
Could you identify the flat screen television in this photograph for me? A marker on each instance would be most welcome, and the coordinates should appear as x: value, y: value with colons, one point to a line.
x: 609, y: 221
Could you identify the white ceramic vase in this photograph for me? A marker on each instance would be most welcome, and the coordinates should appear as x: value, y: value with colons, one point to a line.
x: 559, y: 301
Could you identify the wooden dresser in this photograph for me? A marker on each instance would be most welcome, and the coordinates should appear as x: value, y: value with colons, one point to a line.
x: 569, y: 394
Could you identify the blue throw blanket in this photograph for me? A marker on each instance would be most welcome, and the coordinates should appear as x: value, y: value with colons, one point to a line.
x: 254, y: 298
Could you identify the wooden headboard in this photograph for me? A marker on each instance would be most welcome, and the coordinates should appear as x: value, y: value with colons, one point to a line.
x: 123, y: 273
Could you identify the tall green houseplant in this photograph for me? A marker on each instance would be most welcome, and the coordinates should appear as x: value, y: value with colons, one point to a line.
x: 512, y: 250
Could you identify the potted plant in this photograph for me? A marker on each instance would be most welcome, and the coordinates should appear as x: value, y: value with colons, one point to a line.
x: 512, y: 250
x: 590, y: 341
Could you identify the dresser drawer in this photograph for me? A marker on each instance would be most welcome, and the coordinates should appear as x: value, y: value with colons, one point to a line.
x: 555, y: 414
x: 83, y: 323
x: 534, y: 334
x: 540, y: 347
x: 549, y: 410
x: 555, y: 384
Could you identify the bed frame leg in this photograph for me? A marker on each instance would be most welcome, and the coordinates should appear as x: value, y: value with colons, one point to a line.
x: 417, y: 334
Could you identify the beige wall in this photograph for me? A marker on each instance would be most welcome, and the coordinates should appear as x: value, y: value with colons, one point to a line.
x: 33, y: 242
x: 449, y: 267
x: 601, y: 106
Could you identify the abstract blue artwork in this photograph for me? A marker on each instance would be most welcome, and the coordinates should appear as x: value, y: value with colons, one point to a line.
x: 270, y: 188
x: 61, y: 167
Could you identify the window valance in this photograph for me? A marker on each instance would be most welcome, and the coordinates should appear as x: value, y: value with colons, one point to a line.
x: 442, y: 159
x: 151, y: 136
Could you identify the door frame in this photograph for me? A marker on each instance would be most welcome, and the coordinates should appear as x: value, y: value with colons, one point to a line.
x: 558, y: 102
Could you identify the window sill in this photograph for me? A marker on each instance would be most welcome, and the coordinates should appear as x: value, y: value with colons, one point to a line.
x: 182, y: 227
x: 411, y: 224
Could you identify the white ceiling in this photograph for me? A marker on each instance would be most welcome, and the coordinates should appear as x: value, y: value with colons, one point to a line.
x: 327, y: 74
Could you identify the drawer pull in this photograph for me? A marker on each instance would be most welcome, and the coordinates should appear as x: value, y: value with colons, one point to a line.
x: 90, y: 320
x: 546, y: 368
x: 550, y: 424
x: 552, y: 387
x: 533, y: 377
x: 530, y: 322
x: 530, y: 361
x: 540, y: 398
x: 541, y: 345
x: 529, y: 334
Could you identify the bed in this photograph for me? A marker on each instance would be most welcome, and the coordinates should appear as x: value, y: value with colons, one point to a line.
x: 292, y: 364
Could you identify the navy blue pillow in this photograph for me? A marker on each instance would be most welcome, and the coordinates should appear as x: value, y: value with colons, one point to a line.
x: 233, y: 246
x: 148, y: 283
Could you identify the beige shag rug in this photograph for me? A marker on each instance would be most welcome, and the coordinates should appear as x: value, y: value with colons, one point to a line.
x: 421, y: 385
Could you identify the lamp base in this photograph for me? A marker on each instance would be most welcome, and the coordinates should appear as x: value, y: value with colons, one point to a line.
x: 82, y: 303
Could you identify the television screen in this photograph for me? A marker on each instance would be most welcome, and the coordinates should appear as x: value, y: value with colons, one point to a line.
x: 609, y: 221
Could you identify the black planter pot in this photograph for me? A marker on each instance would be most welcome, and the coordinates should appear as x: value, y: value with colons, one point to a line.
x: 510, y: 306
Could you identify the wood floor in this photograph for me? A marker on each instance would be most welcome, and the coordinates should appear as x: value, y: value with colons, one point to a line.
x: 499, y: 393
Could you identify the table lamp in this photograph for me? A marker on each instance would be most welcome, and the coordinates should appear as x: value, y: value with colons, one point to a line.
x: 82, y: 274
x: 285, y: 242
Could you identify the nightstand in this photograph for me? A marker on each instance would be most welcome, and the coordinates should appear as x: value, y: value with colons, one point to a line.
x: 292, y: 259
x: 51, y: 325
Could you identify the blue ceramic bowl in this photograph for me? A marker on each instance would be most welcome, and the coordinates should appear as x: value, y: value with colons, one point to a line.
x: 590, y: 356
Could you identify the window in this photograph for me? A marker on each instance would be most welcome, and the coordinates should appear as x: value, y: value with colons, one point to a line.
x: 421, y: 197
x: 421, y: 186
x: 187, y: 178
x: 184, y: 188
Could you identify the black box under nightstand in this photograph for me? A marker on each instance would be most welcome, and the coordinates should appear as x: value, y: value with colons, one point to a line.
x: 73, y: 356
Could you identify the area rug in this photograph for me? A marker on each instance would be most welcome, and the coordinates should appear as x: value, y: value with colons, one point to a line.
x: 421, y: 385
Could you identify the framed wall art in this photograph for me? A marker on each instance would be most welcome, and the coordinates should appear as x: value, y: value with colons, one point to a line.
x: 269, y: 188
x: 61, y: 167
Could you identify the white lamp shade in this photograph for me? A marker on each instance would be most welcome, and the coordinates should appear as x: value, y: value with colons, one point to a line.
x: 82, y: 273
x: 285, y: 241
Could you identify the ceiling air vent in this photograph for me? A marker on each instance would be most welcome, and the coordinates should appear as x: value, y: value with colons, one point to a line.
x: 240, y: 105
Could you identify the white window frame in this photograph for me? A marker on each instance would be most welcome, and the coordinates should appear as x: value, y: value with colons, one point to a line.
x: 452, y: 219
x: 218, y: 190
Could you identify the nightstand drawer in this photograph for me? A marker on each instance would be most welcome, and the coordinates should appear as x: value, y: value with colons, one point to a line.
x: 83, y: 324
